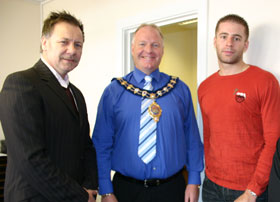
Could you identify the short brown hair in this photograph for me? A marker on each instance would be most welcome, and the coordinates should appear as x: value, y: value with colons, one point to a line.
x: 234, y: 18
x: 56, y: 17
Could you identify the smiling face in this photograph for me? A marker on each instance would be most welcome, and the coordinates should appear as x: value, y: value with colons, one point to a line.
x: 63, y: 48
x: 147, y: 49
x: 230, y: 42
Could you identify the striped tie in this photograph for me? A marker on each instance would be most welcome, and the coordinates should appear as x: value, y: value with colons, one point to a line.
x: 148, y: 127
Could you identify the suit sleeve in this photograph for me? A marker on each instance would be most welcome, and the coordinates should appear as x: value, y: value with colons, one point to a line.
x: 90, y: 164
x: 274, y: 180
x: 90, y: 167
x: 22, y: 117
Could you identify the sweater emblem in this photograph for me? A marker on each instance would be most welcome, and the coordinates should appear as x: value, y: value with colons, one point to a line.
x: 239, y: 96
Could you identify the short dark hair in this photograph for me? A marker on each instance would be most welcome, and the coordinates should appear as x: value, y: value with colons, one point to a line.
x: 234, y: 18
x: 63, y: 16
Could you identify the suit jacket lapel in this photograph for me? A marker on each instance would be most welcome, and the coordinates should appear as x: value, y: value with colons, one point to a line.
x: 79, y: 101
x: 47, y: 76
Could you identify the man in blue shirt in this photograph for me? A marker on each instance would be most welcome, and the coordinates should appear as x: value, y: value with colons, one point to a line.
x: 153, y: 172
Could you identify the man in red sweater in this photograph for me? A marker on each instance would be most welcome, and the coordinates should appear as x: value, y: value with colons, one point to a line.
x: 240, y: 106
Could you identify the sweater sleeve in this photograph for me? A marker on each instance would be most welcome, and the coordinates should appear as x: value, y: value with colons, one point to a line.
x: 270, y: 108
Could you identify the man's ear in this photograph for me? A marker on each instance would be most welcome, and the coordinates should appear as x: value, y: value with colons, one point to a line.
x: 132, y: 47
x: 214, y: 41
x: 44, y: 41
x: 246, y: 46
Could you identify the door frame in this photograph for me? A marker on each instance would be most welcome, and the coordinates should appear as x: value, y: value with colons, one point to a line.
x: 165, y: 16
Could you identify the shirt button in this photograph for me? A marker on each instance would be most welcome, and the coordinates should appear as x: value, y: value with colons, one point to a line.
x: 154, y: 168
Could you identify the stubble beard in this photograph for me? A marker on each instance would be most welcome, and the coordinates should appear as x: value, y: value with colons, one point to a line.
x: 231, y: 60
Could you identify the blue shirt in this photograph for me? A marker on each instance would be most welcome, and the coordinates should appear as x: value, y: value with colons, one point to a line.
x: 116, y: 133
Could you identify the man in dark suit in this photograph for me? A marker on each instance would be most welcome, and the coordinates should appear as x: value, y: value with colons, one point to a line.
x: 274, y: 180
x: 50, y: 154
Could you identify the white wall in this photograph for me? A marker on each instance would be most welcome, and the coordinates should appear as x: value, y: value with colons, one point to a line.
x: 99, y: 63
x: 264, y: 24
x: 19, y: 37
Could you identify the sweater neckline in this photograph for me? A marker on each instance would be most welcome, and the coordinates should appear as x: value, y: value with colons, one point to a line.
x: 240, y: 74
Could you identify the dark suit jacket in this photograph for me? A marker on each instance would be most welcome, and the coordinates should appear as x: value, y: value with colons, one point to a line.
x: 274, y: 181
x: 50, y: 153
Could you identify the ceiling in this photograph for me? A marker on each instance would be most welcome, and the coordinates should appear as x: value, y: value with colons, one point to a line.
x: 37, y: 0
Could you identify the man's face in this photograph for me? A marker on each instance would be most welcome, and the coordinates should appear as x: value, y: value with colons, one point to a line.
x: 230, y: 42
x: 63, y: 48
x: 147, y: 49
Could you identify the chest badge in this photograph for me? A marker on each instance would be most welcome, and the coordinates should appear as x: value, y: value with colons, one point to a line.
x: 155, y: 111
x: 239, y: 96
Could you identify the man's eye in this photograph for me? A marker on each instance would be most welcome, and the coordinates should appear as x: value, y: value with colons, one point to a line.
x: 237, y: 38
x: 78, y: 45
x: 63, y: 42
x: 155, y: 45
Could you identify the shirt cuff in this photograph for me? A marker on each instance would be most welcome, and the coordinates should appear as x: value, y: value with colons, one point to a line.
x: 255, y: 189
x: 194, y: 177
x: 105, y: 187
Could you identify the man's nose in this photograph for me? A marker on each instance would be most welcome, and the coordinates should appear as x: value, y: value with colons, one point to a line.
x: 229, y: 41
x: 148, y: 48
x: 71, y: 48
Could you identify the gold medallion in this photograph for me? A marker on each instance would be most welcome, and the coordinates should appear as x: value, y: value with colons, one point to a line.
x: 155, y: 111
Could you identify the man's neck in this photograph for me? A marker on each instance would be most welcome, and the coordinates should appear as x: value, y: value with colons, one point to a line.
x: 231, y: 69
x: 64, y: 81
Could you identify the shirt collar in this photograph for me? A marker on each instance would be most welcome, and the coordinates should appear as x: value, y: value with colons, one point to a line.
x: 139, y: 75
x: 63, y: 82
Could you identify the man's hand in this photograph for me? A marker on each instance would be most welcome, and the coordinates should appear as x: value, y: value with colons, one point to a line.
x: 91, y: 194
x: 246, y: 197
x: 110, y: 198
x: 192, y: 193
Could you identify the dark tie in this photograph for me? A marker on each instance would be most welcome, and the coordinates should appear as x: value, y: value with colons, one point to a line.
x: 69, y: 94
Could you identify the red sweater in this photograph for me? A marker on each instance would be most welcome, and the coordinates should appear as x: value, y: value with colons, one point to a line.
x: 241, y: 123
